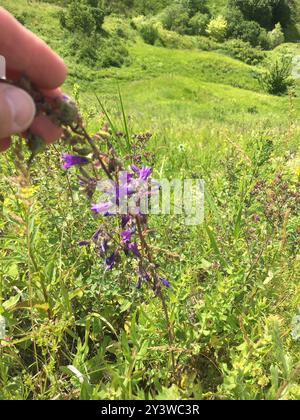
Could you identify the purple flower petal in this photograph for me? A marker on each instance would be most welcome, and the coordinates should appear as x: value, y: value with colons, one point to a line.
x: 104, y: 246
x: 110, y: 261
x: 126, y: 236
x: 124, y: 220
x: 96, y: 235
x: 135, y: 168
x: 101, y: 208
x: 143, y: 274
x: 165, y: 282
x: 65, y: 98
x: 84, y: 243
x: 145, y: 172
x: 71, y: 160
x: 133, y: 247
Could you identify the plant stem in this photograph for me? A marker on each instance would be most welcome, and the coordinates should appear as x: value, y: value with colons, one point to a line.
x: 159, y: 293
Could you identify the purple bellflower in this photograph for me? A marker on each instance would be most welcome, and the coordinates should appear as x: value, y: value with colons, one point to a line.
x: 71, y: 160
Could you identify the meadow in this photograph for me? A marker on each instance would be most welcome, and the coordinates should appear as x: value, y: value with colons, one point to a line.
x: 76, y: 331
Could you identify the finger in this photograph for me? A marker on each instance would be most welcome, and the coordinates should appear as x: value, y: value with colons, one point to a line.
x: 17, y: 110
x: 46, y: 129
x: 52, y: 94
x: 4, y: 144
x: 26, y: 53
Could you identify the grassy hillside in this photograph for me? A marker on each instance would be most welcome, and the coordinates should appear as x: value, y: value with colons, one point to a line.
x: 78, y: 331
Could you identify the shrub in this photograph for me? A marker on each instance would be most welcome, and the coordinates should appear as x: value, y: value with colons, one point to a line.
x: 277, y: 79
x: 198, y: 24
x: 276, y: 37
x: 263, y: 39
x: 207, y: 44
x: 97, y: 51
x: 176, y: 18
x: 264, y: 12
x: 217, y: 28
x: 171, y: 39
x: 113, y: 53
x: 85, y: 16
x: 197, y: 6
x: 116, y: 25
x: 149, y: 32
x: 243, y: 51
x: 137, y: 21
x: 248, y: 31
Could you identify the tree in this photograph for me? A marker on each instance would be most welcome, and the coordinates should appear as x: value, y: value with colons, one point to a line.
x: 198, y: 24
x: 264, y: 12
x: 176, y: 18
x: 84, y: 16
x: 217, y: 28
x: 197, y: 6
x: 276, y: 37
x: 277, y: 79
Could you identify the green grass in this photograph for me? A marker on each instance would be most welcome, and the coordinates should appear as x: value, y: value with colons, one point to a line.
x: 235, y: 279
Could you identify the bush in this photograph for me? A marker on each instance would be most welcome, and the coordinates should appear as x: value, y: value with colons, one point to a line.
x: 97, y: 51
x: 277, y: 80
x: 263, y: 39
x: 84, y: 48
x: 137, y: 21
x: 149, y: 32
x: 116, y: 25
x: 217, y: 28
x: 265, y: 12
x: 171, y: 39
x: 243, y: 51
x: 197, y: 6
x: 85, y: 16
x: 176, y: 18
x: 248, y: 31
x: 112, y: 53
x: 276, y: 37
x: 207, y: 44
x: 198, y: 24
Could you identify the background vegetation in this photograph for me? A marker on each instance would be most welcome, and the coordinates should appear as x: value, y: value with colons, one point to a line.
x: 211, y: 80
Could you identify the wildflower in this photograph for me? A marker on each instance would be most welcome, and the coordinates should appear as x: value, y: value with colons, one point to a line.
x: 142, y: 276
x: 102, y: 208
x: 124, y: 220
x: 65, y: 98
x: 71, y: 160
x: 126, y: 236
x: 165, y: 282
x: 133, y: 247
x: 110, y: 261
x: 96, y: 235
x: 104, y: 245
x: 84, y: 243
x: 143, y: 173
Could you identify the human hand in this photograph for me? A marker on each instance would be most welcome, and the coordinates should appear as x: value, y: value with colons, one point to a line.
x: 26, y: 54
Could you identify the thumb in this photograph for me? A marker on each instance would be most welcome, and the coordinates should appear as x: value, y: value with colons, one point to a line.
x: 17, y: 110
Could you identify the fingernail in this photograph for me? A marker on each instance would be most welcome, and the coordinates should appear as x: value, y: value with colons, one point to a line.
x: 22, y: 109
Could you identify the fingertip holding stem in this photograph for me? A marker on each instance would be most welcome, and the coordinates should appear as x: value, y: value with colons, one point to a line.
x: 22, y: 109
x: 4, y: 144
x: 17, y: 110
